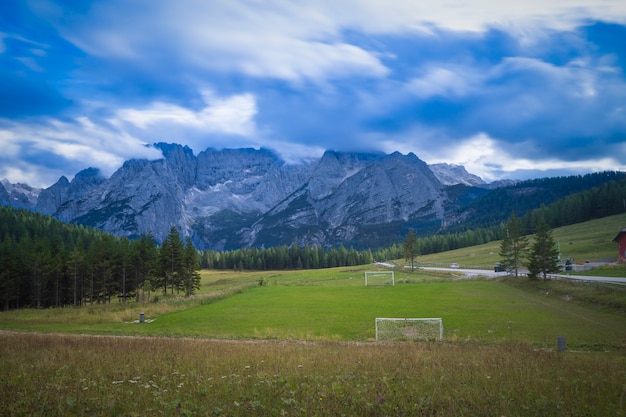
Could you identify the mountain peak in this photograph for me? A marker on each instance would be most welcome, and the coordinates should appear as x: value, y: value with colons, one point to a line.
x: 452, y: 174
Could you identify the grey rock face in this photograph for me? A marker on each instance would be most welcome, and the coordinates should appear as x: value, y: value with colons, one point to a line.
x: 245, y: 197
x: 450, y: 174
x: 387, y: 189
x: 18, y: 195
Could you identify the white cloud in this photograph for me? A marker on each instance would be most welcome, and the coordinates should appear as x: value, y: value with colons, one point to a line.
x: 294, y: 153
x: 439, y: 81
x: 491, y: 160
x: 78, y: 144
x: 475, y: 15
x: 298, y: 40
x: 230, y: 115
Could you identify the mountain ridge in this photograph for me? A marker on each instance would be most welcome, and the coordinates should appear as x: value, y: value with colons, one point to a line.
x: 231, y: 198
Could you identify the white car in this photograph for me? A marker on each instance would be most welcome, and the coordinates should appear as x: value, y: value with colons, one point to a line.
x: 454, y: 266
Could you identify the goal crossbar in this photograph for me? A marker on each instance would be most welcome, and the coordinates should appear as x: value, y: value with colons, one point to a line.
x: 407, y: 323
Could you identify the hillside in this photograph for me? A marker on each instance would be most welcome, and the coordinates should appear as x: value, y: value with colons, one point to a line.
x: 587, y: 241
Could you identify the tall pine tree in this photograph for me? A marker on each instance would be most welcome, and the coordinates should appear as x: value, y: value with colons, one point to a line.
x: 411, y: 248
x: 544, y: 255
x: 172, y: 260
x: 513, y: 246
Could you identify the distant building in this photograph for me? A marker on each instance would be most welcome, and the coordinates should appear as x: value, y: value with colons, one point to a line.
x: 621, y: 245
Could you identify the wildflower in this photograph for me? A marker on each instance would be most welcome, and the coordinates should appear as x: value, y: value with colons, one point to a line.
x: 379, y: 400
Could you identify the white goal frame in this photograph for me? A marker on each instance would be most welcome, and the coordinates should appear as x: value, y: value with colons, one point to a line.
x: 378, y: 274
x: 433, y: 320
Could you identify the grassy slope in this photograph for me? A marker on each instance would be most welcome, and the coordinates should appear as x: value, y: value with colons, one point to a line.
x: 588, y: 241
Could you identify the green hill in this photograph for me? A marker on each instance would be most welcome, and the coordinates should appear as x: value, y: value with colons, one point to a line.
x: 587, y: 241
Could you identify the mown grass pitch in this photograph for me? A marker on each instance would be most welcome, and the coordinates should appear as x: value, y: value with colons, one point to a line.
x: 334, y: 305
x: 478, y: 310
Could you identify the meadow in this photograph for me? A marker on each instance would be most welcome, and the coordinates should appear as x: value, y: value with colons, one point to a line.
x: 72, y: 375
x: 301, y: 343
x: 587, y: 241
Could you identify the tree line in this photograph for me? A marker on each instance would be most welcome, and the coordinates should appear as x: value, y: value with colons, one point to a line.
x: 286, y: 257
x: 48, y: 263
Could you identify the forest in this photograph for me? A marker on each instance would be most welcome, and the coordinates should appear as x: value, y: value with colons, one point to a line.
x: 48, y: 263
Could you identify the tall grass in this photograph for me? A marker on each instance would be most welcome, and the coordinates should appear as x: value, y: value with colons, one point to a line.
x: 65, y: 375
x: 62, y: 375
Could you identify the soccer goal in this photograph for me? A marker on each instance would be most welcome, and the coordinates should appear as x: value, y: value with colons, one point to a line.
x: 379, y: 278
x: 409, y: 329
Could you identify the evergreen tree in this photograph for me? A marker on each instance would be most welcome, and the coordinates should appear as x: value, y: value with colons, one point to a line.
x: 191, y: 277
x: 171, y: 260
x: 513, y: 246
x: 411, y: 248
x: 544, y: 255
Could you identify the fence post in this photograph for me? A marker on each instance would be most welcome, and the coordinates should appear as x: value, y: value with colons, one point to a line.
x: 560, y: 343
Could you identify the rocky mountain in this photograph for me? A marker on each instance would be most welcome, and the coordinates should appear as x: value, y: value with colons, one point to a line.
x: 18, y: 195
x: 451, y: 174
x: 230, y: 198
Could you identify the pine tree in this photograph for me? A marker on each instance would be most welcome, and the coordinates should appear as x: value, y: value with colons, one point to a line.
x: 544, y: 255
x: 191, y: 277
x: 411, y: 248
x: 171, y: 260
x: 514, y: 245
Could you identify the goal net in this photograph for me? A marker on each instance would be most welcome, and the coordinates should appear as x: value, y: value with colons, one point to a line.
x: 379, y: 278
x: 399, y: 329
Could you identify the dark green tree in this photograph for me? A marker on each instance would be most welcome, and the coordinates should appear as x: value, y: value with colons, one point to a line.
x: 514, y: 245
x: 411, y: 248
x: 171, y: 260
x: 144, y: 264
x: 544, y: 255
x: 190, y: 275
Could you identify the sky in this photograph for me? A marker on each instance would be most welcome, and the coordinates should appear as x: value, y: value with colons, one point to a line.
x: 519, y: 90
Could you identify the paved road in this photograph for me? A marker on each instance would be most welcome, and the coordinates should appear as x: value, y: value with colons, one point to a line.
x: 491, y: 274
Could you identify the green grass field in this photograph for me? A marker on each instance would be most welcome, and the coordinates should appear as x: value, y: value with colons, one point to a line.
x: 302, y: 344
x: 334, y: 305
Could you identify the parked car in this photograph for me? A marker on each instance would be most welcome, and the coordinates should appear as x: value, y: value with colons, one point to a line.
x: 454, y: 266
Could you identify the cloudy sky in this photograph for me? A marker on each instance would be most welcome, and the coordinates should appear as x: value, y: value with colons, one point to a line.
x: 508, y: 89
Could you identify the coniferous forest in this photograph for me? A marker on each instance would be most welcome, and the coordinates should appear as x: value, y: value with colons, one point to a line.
x: 48, y: 263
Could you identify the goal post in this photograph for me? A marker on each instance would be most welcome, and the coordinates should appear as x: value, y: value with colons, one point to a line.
x: 422, y: 329
x: 380, y: 278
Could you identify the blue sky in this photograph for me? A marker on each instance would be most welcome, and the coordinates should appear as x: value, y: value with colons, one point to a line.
x: 533, y: 89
